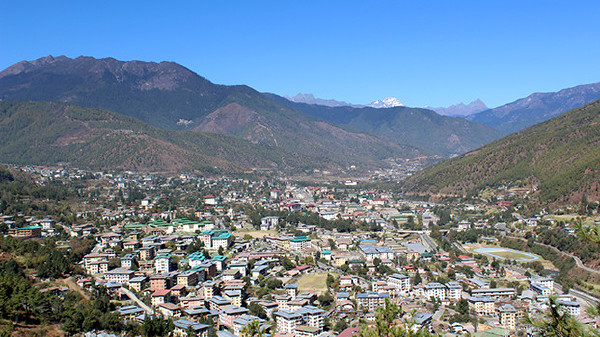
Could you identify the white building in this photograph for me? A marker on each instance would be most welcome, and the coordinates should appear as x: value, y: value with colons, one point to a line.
x: 162, y: 263
x: 400, y: 282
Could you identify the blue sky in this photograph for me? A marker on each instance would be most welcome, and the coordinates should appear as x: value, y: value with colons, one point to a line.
x: 433, y: 53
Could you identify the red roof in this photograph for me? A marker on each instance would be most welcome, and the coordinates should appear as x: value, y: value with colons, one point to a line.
x: 161, y: 292
x: 302, y: 267
x: 349, y: 332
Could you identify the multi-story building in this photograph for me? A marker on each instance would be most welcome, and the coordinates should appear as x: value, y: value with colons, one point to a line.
x: 483, y: 306
x: 291, y: 289
x: 162, y: 263
x: 187, y: 278
x: 300, y: 243
x: 495, y: 293
x: 160, y: 282
x: 96, y: 263
x: 507, y: 315
x: 453, y: 291
x: 400, y: 282
x: 230, y: 313
x: 371, y: 300
x: 288, y: 321
x: 223, y: 240
x: 435, y: 290
x: 26, y: 232
x: 147, y: 253
x: 120, y: 275
x: 571, y: 307
x: 94, y: 268
x: 138, y: 283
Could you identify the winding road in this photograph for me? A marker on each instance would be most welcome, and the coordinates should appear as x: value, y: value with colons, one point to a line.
x: 577, y: 260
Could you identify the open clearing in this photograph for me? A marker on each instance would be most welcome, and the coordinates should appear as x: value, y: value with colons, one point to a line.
x: 257, y: 234
x: 314, y: 282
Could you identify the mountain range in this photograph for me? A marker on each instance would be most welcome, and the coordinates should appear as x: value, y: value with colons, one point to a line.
x: 561, y: 156
x: 170, y: 96
x: 388, y: 102
x: 536, y: 108
x: 462, y: 109
x: 419, y: 128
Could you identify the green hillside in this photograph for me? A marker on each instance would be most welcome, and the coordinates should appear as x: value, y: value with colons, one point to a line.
x: 51, y: 133
x: 561, y: 156
x: 171, y: 97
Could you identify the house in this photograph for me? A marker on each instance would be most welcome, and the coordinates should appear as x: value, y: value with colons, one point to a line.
x: 210, y: 200
x: 268, y: 222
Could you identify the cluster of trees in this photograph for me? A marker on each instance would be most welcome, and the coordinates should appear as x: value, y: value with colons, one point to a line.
x: 562, y: 262
x: 44, y: 257
x: 586, y: 250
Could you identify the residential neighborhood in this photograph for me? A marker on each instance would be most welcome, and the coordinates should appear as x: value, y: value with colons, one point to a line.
x: 298, y: 260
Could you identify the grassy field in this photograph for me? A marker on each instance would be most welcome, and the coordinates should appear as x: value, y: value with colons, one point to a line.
x: 314, y: 282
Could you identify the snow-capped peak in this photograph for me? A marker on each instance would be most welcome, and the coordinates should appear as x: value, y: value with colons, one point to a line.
x: 389, y: 102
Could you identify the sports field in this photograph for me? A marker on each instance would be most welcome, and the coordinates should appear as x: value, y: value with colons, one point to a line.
x: 505, y: 253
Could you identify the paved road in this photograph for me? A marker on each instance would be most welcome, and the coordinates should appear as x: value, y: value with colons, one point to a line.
x: 584, y: 298
x: 429, y: 241
x: 439, y: 313
x: 134, y: 298
x: 577, y: 260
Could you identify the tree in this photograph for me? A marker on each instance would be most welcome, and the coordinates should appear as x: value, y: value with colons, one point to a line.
x: 156, y: 326
x: 325, y: 300
x: 256, y: 310
x: 340, y: 325
x: 254, y: 329
x: 417, y: 278
x: 386, y: 324
x: 557, y: 322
